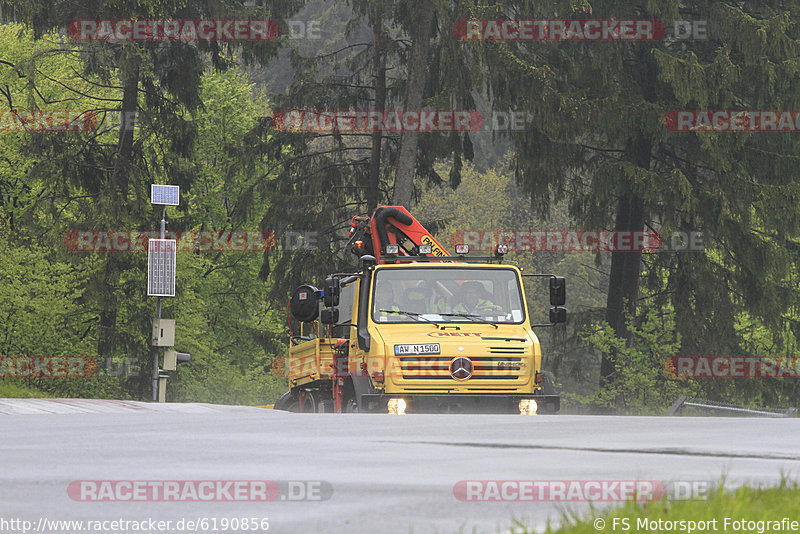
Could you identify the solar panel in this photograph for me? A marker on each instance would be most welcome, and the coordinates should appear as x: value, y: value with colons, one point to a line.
x: 164, y: 194
x: 161, y: 255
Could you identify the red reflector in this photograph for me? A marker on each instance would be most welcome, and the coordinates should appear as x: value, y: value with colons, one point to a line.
x: 539, y: 378
x: 378, y: 376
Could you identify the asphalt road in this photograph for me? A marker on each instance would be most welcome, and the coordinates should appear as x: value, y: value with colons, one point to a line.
x: 364, y: 473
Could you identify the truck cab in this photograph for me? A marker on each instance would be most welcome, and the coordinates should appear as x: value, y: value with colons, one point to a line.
x: 445, y: 337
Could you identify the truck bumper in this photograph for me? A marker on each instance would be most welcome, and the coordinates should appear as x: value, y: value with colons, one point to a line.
x: 459, y: 403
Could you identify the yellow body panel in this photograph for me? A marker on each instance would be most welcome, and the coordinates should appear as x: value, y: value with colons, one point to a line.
x: 311, y: 360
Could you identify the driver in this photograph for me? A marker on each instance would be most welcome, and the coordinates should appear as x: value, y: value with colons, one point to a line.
x: 474, y: 300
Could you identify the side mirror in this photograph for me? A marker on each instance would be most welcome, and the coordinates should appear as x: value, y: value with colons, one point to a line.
x: 304, y: 303
x: 558, y: 292
x: 331, y: 291
x: 558, y: 315
x: 329, y: 316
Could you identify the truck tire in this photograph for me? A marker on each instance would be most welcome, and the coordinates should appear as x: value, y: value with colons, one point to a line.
x: 288, y: 402
x: 548, y: 388
x: 349, y: 402
x: 310, y: 402
x: 350, y: 405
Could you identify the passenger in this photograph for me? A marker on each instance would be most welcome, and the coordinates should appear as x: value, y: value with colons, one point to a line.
x: 385, y: 299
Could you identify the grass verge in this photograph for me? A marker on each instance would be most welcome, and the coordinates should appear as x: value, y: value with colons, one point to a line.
x: 746, y: 509
x: 16, y: 391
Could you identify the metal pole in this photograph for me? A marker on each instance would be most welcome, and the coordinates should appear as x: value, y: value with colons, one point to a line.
x: 158, y: 313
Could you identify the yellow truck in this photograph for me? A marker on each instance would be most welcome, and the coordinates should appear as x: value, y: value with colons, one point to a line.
x: 416, y: 330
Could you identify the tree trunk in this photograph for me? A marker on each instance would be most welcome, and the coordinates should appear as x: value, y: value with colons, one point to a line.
x: 130, y: 93
x: 417, y: 77
x: 379, y: 65
x: 623, y: 287
x: 117, y: 199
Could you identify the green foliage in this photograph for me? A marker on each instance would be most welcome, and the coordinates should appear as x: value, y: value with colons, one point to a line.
x: 642, y: 384
x: 218, y: 381
x: 52, y: 297
x: 12, y: 390
x: 38, y: 303
x: 42, y: 316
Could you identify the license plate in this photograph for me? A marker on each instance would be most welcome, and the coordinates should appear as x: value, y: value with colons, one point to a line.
x: 427, y: 348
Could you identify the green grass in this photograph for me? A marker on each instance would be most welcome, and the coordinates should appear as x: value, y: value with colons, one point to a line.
x: 746, y: 503
x: 15, y: 391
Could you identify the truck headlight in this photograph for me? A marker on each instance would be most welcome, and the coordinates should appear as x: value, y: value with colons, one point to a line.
x: 528, y: 407
x: 397, y: 406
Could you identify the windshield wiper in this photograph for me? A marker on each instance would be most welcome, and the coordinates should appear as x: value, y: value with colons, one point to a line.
x: 469, y: 316
x: 412, y: 314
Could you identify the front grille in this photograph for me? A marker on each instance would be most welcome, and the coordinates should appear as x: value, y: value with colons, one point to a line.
x: 507, y: 350
x: 438, y: 367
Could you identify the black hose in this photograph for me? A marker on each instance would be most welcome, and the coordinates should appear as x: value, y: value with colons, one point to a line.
x: 380, y: 222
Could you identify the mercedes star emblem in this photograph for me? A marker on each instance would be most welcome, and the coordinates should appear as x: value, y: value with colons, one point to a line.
x: 461, y: 368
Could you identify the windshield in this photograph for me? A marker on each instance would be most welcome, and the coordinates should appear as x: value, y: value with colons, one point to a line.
x: 453, y: 294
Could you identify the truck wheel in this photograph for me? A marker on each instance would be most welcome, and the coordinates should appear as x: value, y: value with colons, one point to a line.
x: 349, y: 403
x: 310, y: 402
x: 288, y: 402
x: 548, y: 388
